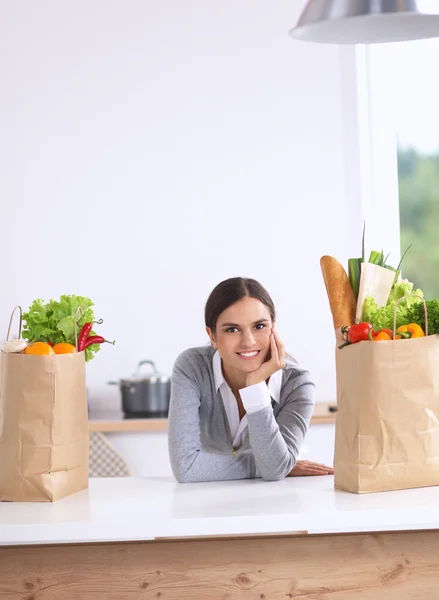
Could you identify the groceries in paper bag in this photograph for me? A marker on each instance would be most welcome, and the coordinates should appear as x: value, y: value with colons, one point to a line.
x: 387, y: 357
x: 44, y: 434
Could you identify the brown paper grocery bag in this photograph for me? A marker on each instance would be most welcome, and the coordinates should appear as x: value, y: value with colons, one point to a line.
x: 44, y: 436
x: 387, y: 427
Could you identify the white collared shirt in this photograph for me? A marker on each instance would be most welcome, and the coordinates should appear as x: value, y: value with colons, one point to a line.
x: 254, y: 398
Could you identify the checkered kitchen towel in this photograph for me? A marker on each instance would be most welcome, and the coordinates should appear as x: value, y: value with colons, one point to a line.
x: 105, y: 461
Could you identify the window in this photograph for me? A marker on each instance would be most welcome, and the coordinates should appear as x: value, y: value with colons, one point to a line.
x: 404, y: 116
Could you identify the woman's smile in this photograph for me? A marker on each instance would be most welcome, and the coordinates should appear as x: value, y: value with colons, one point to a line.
x: 248, y: 355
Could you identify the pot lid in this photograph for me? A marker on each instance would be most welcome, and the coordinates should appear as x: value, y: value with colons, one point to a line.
x: 139, y: 377
x: 145, y: 378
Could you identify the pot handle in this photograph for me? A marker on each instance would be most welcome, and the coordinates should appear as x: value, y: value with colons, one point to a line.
x: 146, y: 362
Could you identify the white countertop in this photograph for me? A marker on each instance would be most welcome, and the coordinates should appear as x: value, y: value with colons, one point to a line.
x: 129, y: 509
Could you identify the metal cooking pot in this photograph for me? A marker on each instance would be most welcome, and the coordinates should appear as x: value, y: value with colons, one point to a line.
x: 145, y: 396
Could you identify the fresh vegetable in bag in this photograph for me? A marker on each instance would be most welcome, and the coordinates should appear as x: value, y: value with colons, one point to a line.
x: 54, y: 322
x: 382, y: 318
x: 416, y: 315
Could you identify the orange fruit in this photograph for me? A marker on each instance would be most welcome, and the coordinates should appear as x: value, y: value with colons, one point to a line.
x: 64, y: 348
x: 39, y: 349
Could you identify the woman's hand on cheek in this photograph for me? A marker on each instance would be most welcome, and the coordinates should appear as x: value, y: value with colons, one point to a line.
x: 276, y: 361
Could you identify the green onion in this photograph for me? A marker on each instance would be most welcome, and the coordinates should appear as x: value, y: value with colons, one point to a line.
x: 354, y: 269
x: 398, y: 268
x: 376, y: 257
x: 362, y: 241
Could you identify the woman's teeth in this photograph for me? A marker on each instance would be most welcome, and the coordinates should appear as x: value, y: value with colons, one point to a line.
x: 248, y: 354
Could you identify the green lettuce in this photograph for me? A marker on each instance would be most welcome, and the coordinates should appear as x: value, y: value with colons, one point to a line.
x: 55, y: 321
x: 382, y: 318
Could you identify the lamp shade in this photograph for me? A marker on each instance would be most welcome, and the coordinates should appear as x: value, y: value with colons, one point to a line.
x: 367, y: 21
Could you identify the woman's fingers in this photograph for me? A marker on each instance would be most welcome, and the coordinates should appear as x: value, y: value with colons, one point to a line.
x: 274, y: 351
x: 309, y: 463
x: 306, y: 467
x: 267, y: 368
x: 308, y: 471
x: 319, y: 467
x: 280, y: 348
x: 273, y: 364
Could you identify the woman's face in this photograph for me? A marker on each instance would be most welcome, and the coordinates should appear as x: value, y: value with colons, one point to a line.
x: 242, y: 334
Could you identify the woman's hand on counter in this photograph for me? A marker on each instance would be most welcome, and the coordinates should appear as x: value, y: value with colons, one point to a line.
x: 308, y: 468
x: 276, y: 362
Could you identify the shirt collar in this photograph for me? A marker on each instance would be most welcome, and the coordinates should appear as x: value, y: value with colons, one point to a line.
x: 217, y: 371
x: 274, y: 384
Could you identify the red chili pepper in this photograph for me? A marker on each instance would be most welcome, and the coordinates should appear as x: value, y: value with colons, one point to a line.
x: 96, y: 339
x: 85, y: 332
x: 86, y: 328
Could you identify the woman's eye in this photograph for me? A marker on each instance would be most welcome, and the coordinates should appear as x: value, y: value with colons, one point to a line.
x: 234, y: 329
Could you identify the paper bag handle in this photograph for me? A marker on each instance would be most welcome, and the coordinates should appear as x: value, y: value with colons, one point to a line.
x: 21, y: 323
x: 76, y: 324
x: 404, y: 298
x: 10, y: 322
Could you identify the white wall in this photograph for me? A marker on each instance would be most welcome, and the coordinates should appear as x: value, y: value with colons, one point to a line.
x: 149, y: 150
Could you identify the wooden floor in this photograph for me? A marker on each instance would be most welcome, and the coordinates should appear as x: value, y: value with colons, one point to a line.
x: 400, y: 566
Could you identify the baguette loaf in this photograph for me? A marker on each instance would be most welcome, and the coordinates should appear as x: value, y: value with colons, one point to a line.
x: 340, y: 293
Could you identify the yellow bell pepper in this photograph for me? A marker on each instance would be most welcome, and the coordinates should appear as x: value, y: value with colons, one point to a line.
x: 410, y: 331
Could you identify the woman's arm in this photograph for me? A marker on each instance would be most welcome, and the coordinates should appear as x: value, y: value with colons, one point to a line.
x: 276, y: 444
x: 188, y: 461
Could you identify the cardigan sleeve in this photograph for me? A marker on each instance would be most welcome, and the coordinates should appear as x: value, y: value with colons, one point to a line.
x: 276, y: 442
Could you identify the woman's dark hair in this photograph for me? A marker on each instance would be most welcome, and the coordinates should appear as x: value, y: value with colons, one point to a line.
x: 230, y: 291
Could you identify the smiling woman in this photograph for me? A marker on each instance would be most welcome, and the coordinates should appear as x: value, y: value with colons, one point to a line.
x: 240, y: 407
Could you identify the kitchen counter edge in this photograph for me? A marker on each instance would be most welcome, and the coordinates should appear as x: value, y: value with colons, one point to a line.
x: 114, y: 421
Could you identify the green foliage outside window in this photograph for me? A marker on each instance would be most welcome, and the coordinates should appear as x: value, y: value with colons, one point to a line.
x: 418, y: 176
